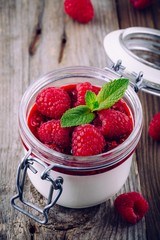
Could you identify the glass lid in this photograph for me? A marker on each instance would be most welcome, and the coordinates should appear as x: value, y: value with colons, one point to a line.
x: 139, y: 50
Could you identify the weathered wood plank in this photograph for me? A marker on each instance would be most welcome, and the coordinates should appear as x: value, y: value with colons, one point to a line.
x: 148, y: 152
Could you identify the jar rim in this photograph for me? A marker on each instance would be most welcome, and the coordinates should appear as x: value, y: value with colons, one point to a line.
x: 138, y: 49
x: 50, y: 156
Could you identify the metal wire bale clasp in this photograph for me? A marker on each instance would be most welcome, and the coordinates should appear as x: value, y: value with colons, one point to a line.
x: 137, y: 78
x: 27, y: 163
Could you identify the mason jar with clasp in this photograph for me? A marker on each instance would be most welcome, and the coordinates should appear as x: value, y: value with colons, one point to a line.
x: 79, y: 182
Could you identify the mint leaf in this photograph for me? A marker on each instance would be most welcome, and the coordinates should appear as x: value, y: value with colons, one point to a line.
x: 91, y: 100
x: 111, y: 92
x: 77, y: 116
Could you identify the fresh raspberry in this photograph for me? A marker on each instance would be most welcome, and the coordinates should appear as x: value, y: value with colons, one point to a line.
x: 141, y: 4
x: 54, y: 147
x: 110, y: 145
x: 154, y: 127
x: 87, y: 140
x: 58, y: 148
x: 81, y: 89
x: 131, y: 206
x: 80, y: 10
x: 120, y: 106
x: 53, y: 102
x: 52, y: 132
x: 73, y: 97
x: 114, y: 124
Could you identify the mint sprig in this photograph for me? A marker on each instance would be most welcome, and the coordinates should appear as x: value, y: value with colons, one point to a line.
x: 109, y: 94
x: 77, y: 116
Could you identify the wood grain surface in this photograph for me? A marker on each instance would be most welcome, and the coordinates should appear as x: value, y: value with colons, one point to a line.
x: 35, y: 38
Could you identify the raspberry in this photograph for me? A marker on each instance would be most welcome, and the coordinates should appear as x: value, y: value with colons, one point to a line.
x: 87, y: 140
x: 154, y: 127
x: 55, y: 147
x: 141, y: 4
x: 131, y: 206
x: 81, y: 89
x: 119, y: 106
x: 110, y: 145
x: 114, y: 124
x: 51, y: 132
x: 73, y: 96
x: 80, y: 10
x: 59, y: 148
x: 53, y: 102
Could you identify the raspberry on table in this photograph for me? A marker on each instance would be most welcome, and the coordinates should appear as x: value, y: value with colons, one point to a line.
x: 154, y: 127
x: 87, y: 140
x: 141, y: 4
x: 131, y: 206
x: 80, y: 10
x: 51, y: 132
x: 53, y: 102
x: 114, y: 124
x: 81, y: 89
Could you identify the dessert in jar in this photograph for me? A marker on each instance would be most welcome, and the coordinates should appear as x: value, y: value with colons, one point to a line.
x: 87, y: 180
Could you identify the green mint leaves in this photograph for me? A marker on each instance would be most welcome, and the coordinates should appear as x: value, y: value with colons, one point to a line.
x: 91, y: 100
x: 77, y: 116
x: 109, y: 94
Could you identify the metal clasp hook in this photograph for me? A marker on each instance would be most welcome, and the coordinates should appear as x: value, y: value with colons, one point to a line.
x: 117, y: 66
x: 136, y: 79
x: 139, y: 80
x: 27, y: 163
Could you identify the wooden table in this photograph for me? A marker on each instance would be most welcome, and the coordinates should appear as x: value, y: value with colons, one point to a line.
x: 35, y: 38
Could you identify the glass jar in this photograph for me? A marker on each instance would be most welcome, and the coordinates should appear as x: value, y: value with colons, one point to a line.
x: 86, y: 181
